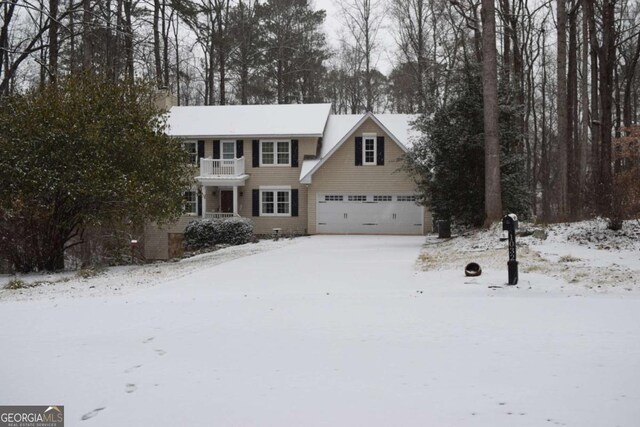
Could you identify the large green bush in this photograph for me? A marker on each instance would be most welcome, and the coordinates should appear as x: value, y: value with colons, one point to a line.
x: 447, y: 162
x: 84, y: 153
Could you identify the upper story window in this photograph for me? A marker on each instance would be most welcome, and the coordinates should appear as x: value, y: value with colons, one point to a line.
x: 228, y: 150
x: 191, y: 147
x: 369, y: 149
x: 275, y: 153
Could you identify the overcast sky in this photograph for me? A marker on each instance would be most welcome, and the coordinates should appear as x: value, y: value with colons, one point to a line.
x: 334, y: 26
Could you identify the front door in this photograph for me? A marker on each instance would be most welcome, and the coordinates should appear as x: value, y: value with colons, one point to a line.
x: 226, y: 201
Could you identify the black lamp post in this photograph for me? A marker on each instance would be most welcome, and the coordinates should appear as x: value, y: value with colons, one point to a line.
x: 510, y: 224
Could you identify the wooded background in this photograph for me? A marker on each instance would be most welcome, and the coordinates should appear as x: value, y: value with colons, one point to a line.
x: 567, y: 69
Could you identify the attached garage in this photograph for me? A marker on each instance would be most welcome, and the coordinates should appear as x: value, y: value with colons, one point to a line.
x: 368, y: 214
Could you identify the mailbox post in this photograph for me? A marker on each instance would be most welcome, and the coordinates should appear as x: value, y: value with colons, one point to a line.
x: 510, y: 224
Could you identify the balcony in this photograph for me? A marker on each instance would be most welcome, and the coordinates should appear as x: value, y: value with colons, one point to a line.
x: 222, y: 172
x: 222, y: 167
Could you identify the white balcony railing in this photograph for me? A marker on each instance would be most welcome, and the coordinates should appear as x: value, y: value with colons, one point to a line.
x: 222, y: 167
x: 216, y: 215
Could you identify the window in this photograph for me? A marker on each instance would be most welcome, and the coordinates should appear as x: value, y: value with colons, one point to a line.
x: 382, y: 198
x: 406, y: 198
x: 191, y: 202
x: 275, y: 202
x: 369, y: 149
x: 357, y: 198
x: 228, y: 150
x: 333, y: 198
x: 275, y: 153
x: 191, y: 148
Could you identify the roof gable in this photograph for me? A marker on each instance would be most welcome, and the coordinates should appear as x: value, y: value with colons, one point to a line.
x: 341, y: 127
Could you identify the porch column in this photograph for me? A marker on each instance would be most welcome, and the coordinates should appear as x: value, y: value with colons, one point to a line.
x: 235, y: 200
x: 204, y: 201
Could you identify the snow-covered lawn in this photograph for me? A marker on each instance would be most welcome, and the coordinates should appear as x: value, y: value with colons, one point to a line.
x: 334, y: 330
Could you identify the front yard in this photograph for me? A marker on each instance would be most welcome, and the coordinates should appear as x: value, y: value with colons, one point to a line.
x: 336, y: 330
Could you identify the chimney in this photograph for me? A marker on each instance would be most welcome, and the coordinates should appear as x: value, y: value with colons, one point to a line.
x: 165, y: 99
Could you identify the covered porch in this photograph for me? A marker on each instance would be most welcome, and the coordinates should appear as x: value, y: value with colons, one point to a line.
x: 221, y: 196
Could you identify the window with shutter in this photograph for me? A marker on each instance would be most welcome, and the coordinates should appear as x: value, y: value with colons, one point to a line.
x: 275, y: 153
x: 228, y: 150
x: 275, y: 202
x: 369, y: 149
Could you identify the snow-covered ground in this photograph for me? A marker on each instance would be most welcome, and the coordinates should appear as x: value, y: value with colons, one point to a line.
x: 336, y: 330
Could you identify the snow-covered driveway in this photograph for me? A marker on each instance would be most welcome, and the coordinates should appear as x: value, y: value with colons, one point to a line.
x: 327, y: 331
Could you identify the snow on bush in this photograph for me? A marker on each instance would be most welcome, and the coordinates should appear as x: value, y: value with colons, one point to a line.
x: 202, y: 233
x: 235, y: 231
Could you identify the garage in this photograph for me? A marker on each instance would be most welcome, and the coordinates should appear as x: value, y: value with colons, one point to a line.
x: 368, y: 214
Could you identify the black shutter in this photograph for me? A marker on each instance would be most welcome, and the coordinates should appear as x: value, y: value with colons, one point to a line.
x: 239, y: 148
x: 216, y: 148
x: 294, y: 202
x: 380, y: 151
x: 256, y: 202
x: 255, y: 152
x: 200, y: 150
x: 358, y: 151
x: 294, y: 153
x: 199, y: 202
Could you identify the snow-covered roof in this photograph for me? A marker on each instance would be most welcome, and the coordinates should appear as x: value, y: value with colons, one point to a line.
x: 248, y: 120
x: 307, y: 166
x: 341, y: 126
x: 401, y: 126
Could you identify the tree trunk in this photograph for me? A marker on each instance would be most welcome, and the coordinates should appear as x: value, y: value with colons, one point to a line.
x: 176, y: 24
x: 607, y: 64
x: 7, y: 15
x: 562, y: 109
x: 165, y: 46
x: 72, y: 38
x: 584, y: 94
x: 156, y: 42
x: 87, y: 50
x: 544, y: 156
x: 53, y: 41
x: 128, y: 40
x: 628, y: 86
x: 595, y: 103
x: 493, y: 188
x: 573, y: 191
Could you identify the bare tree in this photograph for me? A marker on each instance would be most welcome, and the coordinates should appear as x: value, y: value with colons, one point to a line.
x: 363, y: 19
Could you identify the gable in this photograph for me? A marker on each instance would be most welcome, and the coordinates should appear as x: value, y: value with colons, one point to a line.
x: 339, y: 171
x: 342, y: 128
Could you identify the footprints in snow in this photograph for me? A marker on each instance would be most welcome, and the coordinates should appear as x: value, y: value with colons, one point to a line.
x: 131, y: 369
x: 159, y: 351
x: 91, y: 414
x: 129, y: 387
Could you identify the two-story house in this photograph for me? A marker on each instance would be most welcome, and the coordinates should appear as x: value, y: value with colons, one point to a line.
x: 294, y: 167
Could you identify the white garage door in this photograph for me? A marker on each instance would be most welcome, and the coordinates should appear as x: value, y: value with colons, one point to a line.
x: 368, y: 213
